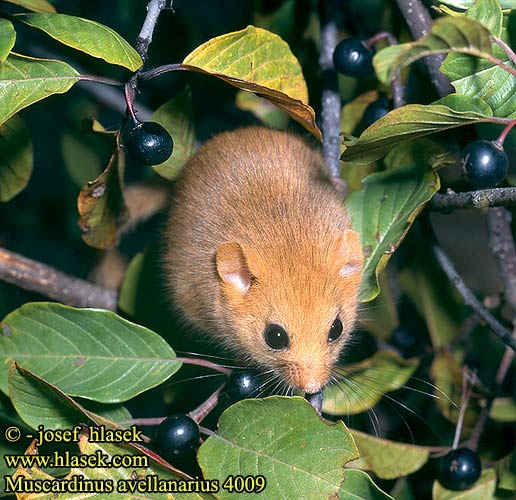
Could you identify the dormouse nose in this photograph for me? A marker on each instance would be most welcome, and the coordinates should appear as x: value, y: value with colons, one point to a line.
x: 309, y: 375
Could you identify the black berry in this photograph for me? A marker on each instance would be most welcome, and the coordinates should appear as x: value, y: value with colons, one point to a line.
x: 352, y: 58
x: 459, y: 469
x: 149, y: 143
x: 177, y: 435
x: 376, y: 110
x: 243, y: 384
x: 485, y: 165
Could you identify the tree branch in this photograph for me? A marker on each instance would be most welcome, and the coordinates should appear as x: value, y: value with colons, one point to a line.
x: 467, y: 295
x: 502, y: 246
x: 37, y: 277
x: 420, y: 24
x: 330, y: 98
x: 154, y: 8
x: 484, y: 198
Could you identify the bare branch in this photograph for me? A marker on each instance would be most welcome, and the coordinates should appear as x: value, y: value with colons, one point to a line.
x: 154, y: 8
x: 37, y: 277
x: 330, y: 104
x: 420, y: 24
x: 501, y: 243
x: 484, y: 198
x: 467, y: 295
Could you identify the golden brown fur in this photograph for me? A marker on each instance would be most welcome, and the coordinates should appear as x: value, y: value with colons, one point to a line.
x: 257, y: 235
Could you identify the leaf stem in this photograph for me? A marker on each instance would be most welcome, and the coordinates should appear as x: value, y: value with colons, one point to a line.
x: 507, y: 49
x: 206, y: 364
x: 160, y: 70
x: 198, y: 414
x: 398, y: 89
x: 501, y: 139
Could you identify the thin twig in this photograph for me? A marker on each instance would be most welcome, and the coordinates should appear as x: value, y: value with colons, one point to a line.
x: 420, y: 24
x: 398, y: 89
x: 204, y: 408
x: 501, y: 243
x: 205, y: 363
x: 484, y: 198
x: 467, y: 295
x: 154, y: 8
x: 505, y: 364
x: 330, y: 98
x: 37, y: 277
x: 508, y: 50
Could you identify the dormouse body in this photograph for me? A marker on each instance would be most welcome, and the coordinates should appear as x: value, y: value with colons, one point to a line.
x: 260, y: 254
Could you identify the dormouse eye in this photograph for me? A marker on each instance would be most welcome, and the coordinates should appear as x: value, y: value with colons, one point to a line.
x: 276, y: 337
x: 335, y: 330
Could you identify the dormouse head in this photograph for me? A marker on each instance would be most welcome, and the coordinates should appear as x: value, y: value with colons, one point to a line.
x: 292, y: 307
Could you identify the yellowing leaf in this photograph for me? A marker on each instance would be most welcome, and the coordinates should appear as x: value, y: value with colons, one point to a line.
x: 258, y: 61
x: 387, y: 459
x: 34, y: 5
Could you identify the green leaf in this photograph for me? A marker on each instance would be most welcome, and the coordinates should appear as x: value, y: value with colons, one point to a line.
x: 503, y: 410
x: 177, y: 116
x: 414, y: 121
x: 25, y: 80
x: 483, y: 489
x: 364, y: 383
x: 481, y: 79
x: 89, y: 353
x: 87, y: 36
x: 506, y: 472
x: 449, y: 34
x: 7, y: 38
x: 358, y: 485
x: 388, y: 203
x: 478, y: 77
x: 282, y: 439
x: 101, y: 204
x: 489, y: 14
x: 40, y: 403
x: 81, y: 161
x: 258, y: 61
x: 34, y: 5
x: 466, y: 4
x: 387, y: 459
x: 15, y: 158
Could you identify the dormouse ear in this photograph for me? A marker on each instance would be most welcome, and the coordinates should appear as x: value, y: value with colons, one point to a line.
x: 232, y: 266
x: 348, y: 253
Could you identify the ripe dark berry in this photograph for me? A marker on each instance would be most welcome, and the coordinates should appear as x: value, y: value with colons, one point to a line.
x: 352, y: 58
x: 459, y: 469
x: 177, y: 435
x: 149, y: 143
x: 376, y: 110
x: 243, y: 384
x: 485, y: 165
